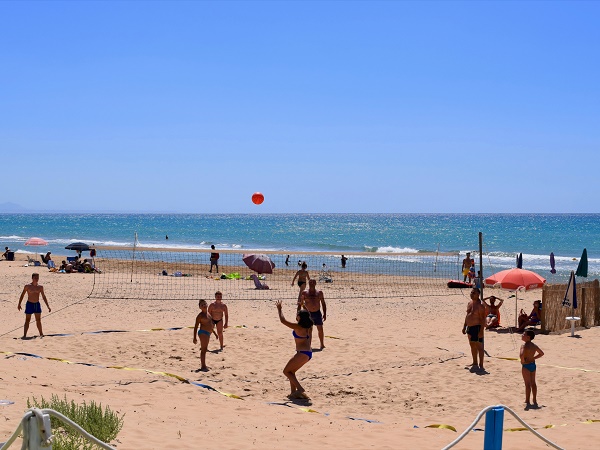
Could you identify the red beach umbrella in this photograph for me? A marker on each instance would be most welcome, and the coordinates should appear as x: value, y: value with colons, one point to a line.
x: 516, y: 280
x: 36, y: 241
x: 513, y: 279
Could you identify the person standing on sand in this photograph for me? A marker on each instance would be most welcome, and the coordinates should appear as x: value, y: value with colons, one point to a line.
x: 344, y: 259
x: 466, y: 266
x: 214, y: 260
x: 473, y: 327
x: 528, y: 354
x: 302, y: 332
x: 302, y: 276
x: 33, y: 306
x: 287, y: 260
x: 312, y: 300
x: 217, y: 310
x: 204, y: 321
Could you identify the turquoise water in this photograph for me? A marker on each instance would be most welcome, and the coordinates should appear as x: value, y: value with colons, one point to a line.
x: 505, y: 235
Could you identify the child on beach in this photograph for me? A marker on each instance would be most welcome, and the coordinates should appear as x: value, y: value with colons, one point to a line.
x: 529, y: 353
x: 205, y: 322
x: 217, y: 310
x: 33, y: 306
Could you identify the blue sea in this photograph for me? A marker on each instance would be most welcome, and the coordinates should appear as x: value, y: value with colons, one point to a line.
x: 504, y: 235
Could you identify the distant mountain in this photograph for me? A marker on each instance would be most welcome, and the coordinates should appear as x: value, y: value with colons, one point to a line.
x: 9, y: 207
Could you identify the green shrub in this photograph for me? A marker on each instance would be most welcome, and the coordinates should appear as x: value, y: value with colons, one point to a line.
x: 104, y: 425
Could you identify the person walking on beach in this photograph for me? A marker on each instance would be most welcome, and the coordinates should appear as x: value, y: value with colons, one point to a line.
x: 217, y: 310
x: 287, y: 260
x: 312, y: 300
x: 473, y: 327
x: 344, y: 259
x: 466, y: 266
x: 302, y: 276
x: 528, y: 354
x: 214, y: 260
x: 33, y: 290
x: 302, y: 332
x: 203, y: 329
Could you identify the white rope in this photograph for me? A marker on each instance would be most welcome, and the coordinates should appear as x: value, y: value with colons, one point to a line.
x: 47, y: 435
x: 480, y: 415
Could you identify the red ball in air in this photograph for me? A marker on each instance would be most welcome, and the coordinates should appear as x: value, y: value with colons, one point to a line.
x: 258, y: 198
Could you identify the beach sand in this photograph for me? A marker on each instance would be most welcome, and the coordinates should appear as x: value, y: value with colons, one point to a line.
x: 401, y: 363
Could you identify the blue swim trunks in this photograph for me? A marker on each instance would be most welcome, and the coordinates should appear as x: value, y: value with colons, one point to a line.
x: 529, y: 366
x: 317, y: 317
x: 33, y: 308
x: 203, y: 332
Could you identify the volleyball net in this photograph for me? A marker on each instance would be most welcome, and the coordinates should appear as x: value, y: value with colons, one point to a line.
x: 184, y: 274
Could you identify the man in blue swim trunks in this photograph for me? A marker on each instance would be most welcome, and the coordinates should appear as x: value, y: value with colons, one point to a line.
x: 33, y: 306
x: 528, y: 354
x: 313, y: 300
x: 474, y: 326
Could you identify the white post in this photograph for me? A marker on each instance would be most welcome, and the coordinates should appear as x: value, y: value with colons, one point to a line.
x: 35, y: 435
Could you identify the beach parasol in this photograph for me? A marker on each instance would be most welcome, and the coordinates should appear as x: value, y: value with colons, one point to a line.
x: 570, y: 301
x: 582, y: 268
x: 552, y: 264
x: 36, y: 241
x: 516, y: 280
x: 259, y: 263
x: 78, y: 247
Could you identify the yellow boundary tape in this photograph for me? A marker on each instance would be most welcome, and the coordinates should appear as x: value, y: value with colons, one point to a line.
x: 155, y: 372
x: 550, y: 365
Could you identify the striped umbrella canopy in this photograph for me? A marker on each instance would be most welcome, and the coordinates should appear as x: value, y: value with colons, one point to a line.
x: 36, y: 241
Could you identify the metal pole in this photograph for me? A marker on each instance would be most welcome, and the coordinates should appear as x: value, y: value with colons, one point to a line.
x: 481, y: 265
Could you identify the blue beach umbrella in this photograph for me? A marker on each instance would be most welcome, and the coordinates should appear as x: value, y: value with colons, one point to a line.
x: 570, y: 298
x: 552, y: 263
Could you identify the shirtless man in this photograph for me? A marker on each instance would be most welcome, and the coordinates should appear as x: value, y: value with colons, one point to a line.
x: 217, y: 310
x: 205, y: 324
x: 312, y: 301
x: 466, y: 266
x: 302, y: 276
x: 492, y: 319
x: 33, y: 306
x: 474, y: 326
x: 528, y: 354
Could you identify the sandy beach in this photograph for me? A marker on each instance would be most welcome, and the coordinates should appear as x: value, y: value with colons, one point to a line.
x: 391, y: 368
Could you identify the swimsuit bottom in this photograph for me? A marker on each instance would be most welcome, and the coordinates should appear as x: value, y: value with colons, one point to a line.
x: 301, y: 283
x: 529, y: 366
x: 203, y: 332
x: 307, y: 353
x: 316, y: 317
x: 473, y: 332
x: 33, y: 308
x: 216, y: 321
x: 492, y: 316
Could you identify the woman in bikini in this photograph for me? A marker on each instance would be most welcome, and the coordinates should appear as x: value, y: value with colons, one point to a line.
x: 531, y: 319
x: 303, y: 278
x: 205, y: 322
x: 302, y: 332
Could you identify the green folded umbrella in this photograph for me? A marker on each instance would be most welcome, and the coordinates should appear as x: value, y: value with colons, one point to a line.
x: 582, y: 268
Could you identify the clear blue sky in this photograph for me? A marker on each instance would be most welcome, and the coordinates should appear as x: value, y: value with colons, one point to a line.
x: 322, y: 106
